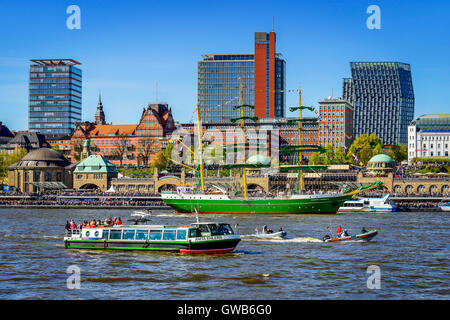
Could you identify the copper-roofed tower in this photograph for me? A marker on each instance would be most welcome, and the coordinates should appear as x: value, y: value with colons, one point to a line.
x: 99, y: 114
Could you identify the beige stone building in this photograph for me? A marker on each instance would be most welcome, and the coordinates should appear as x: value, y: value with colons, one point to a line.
x: 41, y: 169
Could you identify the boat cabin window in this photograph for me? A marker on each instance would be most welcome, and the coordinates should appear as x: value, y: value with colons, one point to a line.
x: 193, y: 233
x: 128, y: 234
x: 225, y: 228
x: 181, y: 234
x: 169, y: 234
x: 155, y: 234
x: 141, y: 234
x: 105, y: 234
x: 115, y: 234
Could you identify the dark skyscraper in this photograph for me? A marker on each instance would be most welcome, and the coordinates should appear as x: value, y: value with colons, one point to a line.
x: 382, y: 95
x: 55, y: 96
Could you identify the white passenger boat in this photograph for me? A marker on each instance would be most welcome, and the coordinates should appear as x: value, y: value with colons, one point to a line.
x: 368, y: 205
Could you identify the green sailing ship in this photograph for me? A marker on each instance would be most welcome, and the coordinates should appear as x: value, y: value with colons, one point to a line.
x: 188, y: 200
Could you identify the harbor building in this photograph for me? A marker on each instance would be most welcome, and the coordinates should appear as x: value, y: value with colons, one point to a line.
x: 261, y: 74
x: 382, y: 96
x: 54, y: 96
x: 336, y: 125
x: 126, y: 144
x: 40, y: 170
x: 94, y: 171
x: 429, y: 137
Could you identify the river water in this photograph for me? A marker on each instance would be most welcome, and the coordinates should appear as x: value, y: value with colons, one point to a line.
x: 410, y: 254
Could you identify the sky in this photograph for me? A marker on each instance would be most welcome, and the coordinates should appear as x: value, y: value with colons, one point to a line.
x: 128, y: 48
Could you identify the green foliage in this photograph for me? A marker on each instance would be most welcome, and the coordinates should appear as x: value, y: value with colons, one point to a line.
x: 364, y: 148
x: 8, y: 159
x: 398, y: 152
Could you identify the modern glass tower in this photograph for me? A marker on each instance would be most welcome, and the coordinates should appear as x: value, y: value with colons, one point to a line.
x: 219, y: 80
x: 382, y: 95
x: 262, y: 75
x: 54, y: 96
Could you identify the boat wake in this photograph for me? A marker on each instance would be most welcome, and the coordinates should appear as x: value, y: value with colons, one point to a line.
x: 287, y: 240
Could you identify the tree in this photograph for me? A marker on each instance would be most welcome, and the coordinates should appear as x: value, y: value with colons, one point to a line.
x: 363, y: 147
x: 340, y: 156
x: 122, y: 147
x: 398, y: 152
x: 145, y: 149
x: 7, y: 159
x: 315, y: 159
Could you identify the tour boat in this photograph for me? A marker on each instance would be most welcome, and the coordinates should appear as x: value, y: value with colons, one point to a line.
x: 368, y: 205
x: 445, y: 206
x: 366, y: 236
x: 200, y: 237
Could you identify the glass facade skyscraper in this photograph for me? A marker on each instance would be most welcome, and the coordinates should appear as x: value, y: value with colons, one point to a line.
x: 262, y: 75
x: 382, y: 95
x: 219, y: 80
x: 54, y: 96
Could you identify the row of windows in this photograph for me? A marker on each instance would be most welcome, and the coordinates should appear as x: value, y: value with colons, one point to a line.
x: 167, y: 234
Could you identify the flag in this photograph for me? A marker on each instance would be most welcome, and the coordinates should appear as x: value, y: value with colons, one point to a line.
x: 169, y: 140
x: 256, y: 229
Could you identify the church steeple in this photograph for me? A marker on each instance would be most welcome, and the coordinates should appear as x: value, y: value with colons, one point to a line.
x: 99, y: 114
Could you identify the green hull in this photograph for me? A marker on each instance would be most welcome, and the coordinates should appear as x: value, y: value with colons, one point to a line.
x: 323, y: 205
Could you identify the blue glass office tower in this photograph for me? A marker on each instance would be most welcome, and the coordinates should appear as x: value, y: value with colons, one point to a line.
x: 54, y: 96
x: 219, y: 80
x: 382, y: 95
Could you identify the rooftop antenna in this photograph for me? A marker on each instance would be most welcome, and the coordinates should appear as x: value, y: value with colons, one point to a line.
x: 273, y: 23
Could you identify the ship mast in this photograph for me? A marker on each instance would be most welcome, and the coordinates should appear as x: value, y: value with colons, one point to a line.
x: 300, y: 127
x: 244, y: 174
x: 200, y: 151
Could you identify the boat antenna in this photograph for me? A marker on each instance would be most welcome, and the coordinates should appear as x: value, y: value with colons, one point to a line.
x: 196, y: 215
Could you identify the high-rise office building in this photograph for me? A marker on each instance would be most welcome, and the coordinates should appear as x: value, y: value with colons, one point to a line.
x: 382, y: 95
x: 269, y: 77
x: 219, y: 79
x: 262, y: 75
x: 54, y: 96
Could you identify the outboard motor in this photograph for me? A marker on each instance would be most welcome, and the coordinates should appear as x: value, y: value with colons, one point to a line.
x: 327, y: 237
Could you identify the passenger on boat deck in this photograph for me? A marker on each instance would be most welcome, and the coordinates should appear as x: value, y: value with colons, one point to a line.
x: 339, y: 230
x: 345, y: 233
x: 119, y: 221
x: 73, y: 226
x: 363, y: 230
x: 93, y: 223
x: 264, y: 229
x: 67, y: 225
x: 280, y: 230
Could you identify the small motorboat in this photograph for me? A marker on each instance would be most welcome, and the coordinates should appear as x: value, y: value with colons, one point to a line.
x: 267, y: 235
x: 142, y: 214
x: 366, y: 236
x: 445, y: 206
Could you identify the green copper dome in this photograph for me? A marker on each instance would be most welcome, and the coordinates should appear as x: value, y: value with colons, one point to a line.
x: 95, y: 163
x: 381, y: 158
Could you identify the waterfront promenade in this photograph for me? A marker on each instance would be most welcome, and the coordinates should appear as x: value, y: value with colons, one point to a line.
x: 126, y: 200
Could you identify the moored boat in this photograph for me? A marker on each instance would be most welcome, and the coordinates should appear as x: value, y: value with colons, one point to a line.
x: 204, y: 237
x: 221, y: 203
x: 366, y: 236
x: 368, y: 205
